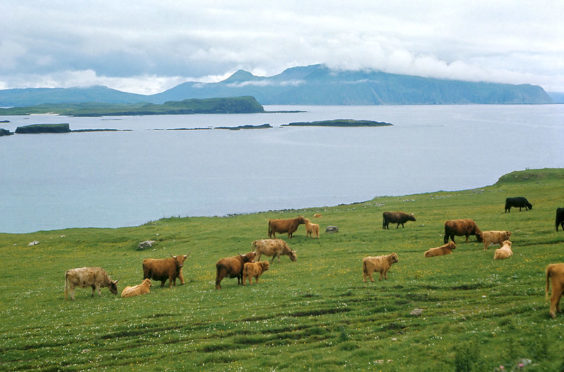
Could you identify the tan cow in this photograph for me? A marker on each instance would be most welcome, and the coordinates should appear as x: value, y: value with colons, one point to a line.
x: 232, y: 267
x: 312, y: 229
x: 555, y: 273
x: 284, y: 226
x: 254, y: 269
x: 139, y: 289
x: 84, y: 277
x: 378, y: 263
x: 273, y: 248
x: 503, y: 252
x: 441, y: 251
x: 495, y: 237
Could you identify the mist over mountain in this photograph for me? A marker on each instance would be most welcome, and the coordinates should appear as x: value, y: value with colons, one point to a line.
x: 305, y: 85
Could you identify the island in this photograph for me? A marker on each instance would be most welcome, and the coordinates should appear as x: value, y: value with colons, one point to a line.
x: 5, y: 132
x: 262, y: 126
x: 43, y: 128
x: 230, y: 105
x: 339, y: 123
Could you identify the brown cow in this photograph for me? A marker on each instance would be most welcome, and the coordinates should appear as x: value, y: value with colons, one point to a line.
x: 441, y: 251
x: 164, y: 268
x: 494, y: 237
x: 555, y: 273
x: 396, y: 217
x: 254, y: 269
x: 232, y: 267
x: 503, y: 252
x: 273, y: 248
x: 284, y: 226
x: 462, y: 227
x: 378, y: 263
x: 83, y: 277
x: 139, y: 289
x: 312, y: 229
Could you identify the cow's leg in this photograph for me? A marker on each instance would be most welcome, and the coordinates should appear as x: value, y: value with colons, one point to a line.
x: 370, y: 275
x: 259, y: 255
x: 71, y: 290
x: 467, y: 238
x: 163, y: 283
x: 181, y: 278
x: 171, y: 280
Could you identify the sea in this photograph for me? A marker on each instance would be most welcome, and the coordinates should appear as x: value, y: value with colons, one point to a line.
x: 149, y: 171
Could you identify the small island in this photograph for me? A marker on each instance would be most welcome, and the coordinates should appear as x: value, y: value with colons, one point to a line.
x: 262, y: 126
x: 339, y: 123
x: 43, y: 128
x: 5, y: 132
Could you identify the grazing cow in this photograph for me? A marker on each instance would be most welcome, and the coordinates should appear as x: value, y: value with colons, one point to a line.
x: 284, y: 226
x: 555, y: 273
x: 232, y: 267
x: 503, y: 252
x: 494, y: 237
x: 441, y: 251
x: 139, y: 289
x: 312, y: 229
x: 560, y: 218
x: 83, y: 277
x: 254, y: 269
x: 164, y: 268
x: 396, y: 217
x: 518, y: 201
x: 378, y: 263
x: 273, y: 248
x: 464, y: 227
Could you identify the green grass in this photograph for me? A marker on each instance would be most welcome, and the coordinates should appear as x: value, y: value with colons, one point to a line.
x: 315, y: 313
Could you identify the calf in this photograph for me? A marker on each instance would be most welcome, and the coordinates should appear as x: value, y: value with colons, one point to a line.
x: 518, y: 201
x: 273, y: 248
x: 83, y: 277
x: 555, y: 273
x: 139, y: 289
x: 463, y: 227
x: 284, y: 226
x: 494, y: 237
x: 441, y: 251
x: 560, y: 218
x: 254, y: 269
x: 503, y: 252
x: 164, y: 268
x: 312, y: 229
x: 378, y: 263
x: 396, y: 217
x: 232, y: 267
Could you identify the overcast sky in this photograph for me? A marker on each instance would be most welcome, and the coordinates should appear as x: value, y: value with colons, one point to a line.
x: 147, y: 46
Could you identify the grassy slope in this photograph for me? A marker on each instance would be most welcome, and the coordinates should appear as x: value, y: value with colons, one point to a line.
x: 314, y: 313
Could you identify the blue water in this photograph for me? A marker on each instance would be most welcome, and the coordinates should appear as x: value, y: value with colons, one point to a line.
x: 113, y: 179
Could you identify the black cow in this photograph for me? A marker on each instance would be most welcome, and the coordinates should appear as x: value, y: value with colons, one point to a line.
x: 518, y: 201
x: 560, y: 218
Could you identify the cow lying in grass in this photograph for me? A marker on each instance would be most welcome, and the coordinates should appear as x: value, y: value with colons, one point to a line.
x: 254, y: 270
x: 555, y: 273
x: 139, y: 289
x: 232, y: 267
x: 503, y: 252
x: 378, y: 263
x: 84, y: 277
x: 494, y: 237
x: 441, y: 251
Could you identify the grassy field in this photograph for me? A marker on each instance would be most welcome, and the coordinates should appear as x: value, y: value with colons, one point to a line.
x: 312, y: 314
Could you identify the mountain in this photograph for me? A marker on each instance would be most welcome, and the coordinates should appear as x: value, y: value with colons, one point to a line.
x: 557, y: 97
x: 305, y: 85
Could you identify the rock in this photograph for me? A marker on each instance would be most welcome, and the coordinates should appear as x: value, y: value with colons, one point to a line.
x: 416, y: 312
x: 35, y: 242
x: 5, y: 132
x: 332, y: 229
x: 146, y: 244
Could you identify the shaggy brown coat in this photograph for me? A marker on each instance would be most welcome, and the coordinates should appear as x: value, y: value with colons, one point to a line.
x: 254, y: 269
x: 139, y: 289
x: 555, y: 273
x: 464, y: 227
x: 378, y: 263
x: 164, y: 268
x: 284, y: 226
x: 84, y: 277
x: 232, y: 267
x: 441, y: 251
x: 396, y: 217
x: 494, y: 237
x: 273, y: 248
x: 312, y: 229
x: 503, y: 252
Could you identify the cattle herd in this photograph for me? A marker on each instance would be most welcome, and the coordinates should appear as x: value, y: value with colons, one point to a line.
x: 244, y: 268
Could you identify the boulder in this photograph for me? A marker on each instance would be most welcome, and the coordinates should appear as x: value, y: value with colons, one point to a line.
x: 332, y: 229
x: 146, y: 244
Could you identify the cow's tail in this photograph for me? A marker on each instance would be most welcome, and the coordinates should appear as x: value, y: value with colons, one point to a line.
x: 66, y: 284
x: 547, y: 282
x: 557, y: 222
x: 364, y: 270
x: 269, y: 230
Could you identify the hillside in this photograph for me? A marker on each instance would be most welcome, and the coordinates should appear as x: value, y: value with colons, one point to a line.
x: 304, y: 85
x: 316, y: 313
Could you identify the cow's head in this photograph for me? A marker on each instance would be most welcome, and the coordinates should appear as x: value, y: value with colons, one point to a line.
x: 507, y: 242
x: 479, y: 236
x: 293, y: 255
x: 507, y: 235
x: 411, y: 217
x: 179, y: 260
x: 394, y: 257
x: 113, y: 286
x: 451, y: 245
x: 147, y: 282
x: 264, y: 265
x: 249, y: 257
x: 301, y: 219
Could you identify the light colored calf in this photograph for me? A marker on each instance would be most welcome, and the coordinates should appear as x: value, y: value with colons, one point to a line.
x: 378, y: 263
x: 555, y: 273
x: 503, y: 252
x: 495, y: 237
x: 139, y: 289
